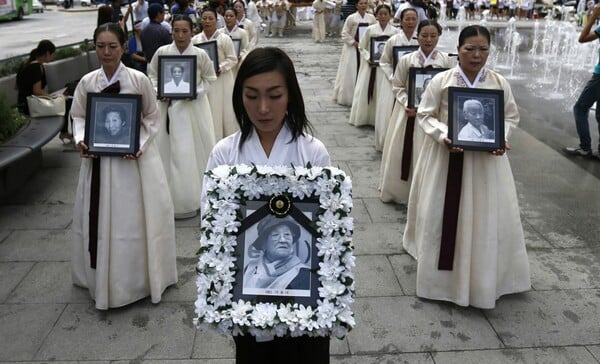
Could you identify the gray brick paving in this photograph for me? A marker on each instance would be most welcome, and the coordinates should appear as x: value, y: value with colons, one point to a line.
x: 44, y: 318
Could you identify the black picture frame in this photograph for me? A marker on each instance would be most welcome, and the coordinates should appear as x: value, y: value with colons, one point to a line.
x: 103, y: 139
x: 361, y: 29
x: 399, y: 51
x: 376, y: 47
x: 237, y: 45
x: 418, y: 79
x: 186, y: 88
x: 212, y: 50
x: 305, y: 249
x: 491, y: 104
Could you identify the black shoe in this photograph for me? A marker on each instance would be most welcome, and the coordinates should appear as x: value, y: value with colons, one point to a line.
x: 577, y: 151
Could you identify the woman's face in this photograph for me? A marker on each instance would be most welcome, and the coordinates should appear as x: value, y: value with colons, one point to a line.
x: 428, y: 38
x: 113, y: 123
x: 109, y: 50
x: 239, y: 8
x: 362, y: 5
x: 473, y: 54
x: 280, y: 243
x: 177, y: 73
x: 230, y: 19
x: 383, y: 16
x: 409, y: 21
x: 182, y: 34
x: 265, y: 98
x: 474, y: 114
x: 209, y: 21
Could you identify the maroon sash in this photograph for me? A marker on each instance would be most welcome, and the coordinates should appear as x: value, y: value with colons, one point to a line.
x: 114, y: 88
x: 407, y: 148
x: 451, y: 209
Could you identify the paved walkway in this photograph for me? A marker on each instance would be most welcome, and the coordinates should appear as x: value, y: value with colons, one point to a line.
x: 43, y: 317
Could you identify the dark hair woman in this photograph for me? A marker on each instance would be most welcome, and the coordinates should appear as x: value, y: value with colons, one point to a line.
x: 123, y: 214
x: 273, y: 123
x: 31, y: 77
x: 489, y: 258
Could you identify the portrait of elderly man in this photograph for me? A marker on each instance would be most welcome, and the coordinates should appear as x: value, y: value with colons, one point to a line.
x: 177, y: 84
x: 277, y: 265
x: 113, y: 127
x: 475, y: 128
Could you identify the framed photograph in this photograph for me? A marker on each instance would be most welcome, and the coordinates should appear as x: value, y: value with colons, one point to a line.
x: 377, y: 44
x: 177, y: 77
x: 274, y: 239
x: 399, y: 51
x: 276, y: 249
x: 361, y: 30
x: 112, y: 124
x: 237, y: 45
x: 476, y: 118
x: 418, y: 80
x: 211, y: 49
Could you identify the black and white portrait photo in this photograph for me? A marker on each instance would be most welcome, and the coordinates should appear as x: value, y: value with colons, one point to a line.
x: 476, y: 118
x: 278, y: 258
x: 378, y: 51
x: 114, y: 126
x: 418, y: 81
x: 176, y: 77
x: 475, y: 127
x: 422, y: 83
x: 399, y: 51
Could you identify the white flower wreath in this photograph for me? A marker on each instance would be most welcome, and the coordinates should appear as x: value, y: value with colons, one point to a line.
x: 227, y: 189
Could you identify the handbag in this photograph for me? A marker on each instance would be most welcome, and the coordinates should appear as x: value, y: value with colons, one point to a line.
x: 46, y: 106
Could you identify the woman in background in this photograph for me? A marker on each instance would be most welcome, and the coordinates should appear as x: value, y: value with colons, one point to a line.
x: 471, y: 192
x: 236, y: 34
x: 187, y: 134
x: 345, y: 79
x: 123, y: 229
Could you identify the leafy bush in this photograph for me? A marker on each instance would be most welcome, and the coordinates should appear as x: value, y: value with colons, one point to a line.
x: 69, y: 52
x: 10, y: 119
x: 11, y: 67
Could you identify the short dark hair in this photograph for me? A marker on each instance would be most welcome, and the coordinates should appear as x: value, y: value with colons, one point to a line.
x: 473, y: 31
x: 263, y: 60
x: 115, y: 108
x: 184, y: 17
x: 113, y: 28
x: 383, y: 6
x: 407, y: 10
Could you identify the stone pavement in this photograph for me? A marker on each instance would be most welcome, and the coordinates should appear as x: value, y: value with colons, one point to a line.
x: 44, y: 318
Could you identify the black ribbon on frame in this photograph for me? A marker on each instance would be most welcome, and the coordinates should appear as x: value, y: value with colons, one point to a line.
x: 280, y: 206
x: 451, y: 210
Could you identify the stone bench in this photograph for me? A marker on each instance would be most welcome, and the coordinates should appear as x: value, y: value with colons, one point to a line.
x: 21, y: 156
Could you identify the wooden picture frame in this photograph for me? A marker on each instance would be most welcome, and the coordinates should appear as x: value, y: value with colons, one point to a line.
x: 112, y: 124
x: 176, y: 77
x: 476, y: 118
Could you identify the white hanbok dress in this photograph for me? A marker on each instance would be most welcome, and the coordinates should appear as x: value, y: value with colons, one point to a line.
x: 363, y: 111
x: 318, y: 27
x: 185, y: 148
x: 249, y: 26
x: 392, y: 187
x: 220, y: 93
x: 345, y: 79
x: 136, y: 232
x: 490, y: 259
x: 245, y: 46
x: 385, y: 97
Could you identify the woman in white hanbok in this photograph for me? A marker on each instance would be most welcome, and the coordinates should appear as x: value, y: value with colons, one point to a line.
x: 273, y: 131
x: 370, y: 76
x: 345, y: 79
x: 489, y: 258
x: 236, y: 34
x: 318, y: 26
x: 187, y: 134
x: 219, y: 95
x: 126, y: 250
x: 385, y: 97
x: 245, y: 23
x: 394, y: 186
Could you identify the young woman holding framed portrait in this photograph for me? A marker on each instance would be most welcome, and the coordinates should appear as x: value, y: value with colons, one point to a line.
x: 274, y: 131
x: 123, y: 229
x: 187, y: 134
x: 463, y: 221
x: 399, y: 146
